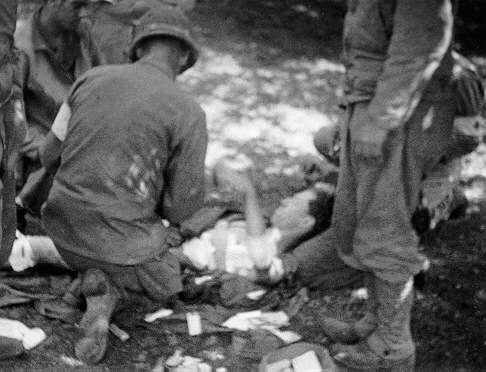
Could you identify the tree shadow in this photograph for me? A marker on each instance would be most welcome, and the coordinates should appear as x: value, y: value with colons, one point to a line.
x: 268, y: 78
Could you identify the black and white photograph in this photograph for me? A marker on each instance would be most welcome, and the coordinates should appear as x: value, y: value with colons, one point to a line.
x: 242, y: 185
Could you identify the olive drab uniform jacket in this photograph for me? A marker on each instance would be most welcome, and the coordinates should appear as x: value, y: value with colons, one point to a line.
x: 398, y: 79
x: 12, y: 127
x: 392, y: 50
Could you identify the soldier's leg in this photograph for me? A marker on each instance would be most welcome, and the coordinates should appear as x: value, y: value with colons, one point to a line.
x: 390, y: 347
x: 350, y: 333
x: 385, y: 242
x: 102, y: 298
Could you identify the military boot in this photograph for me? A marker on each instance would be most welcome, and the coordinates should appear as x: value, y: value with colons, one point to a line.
x: 348, y: 333
x: 390, y: 347
x: 351, y: 333
x: 102, y: 297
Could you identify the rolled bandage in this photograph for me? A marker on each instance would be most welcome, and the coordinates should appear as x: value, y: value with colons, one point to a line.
x: 194, y: 323
x: 276, y: 270
x: 30, y: 250
x: 30, y: 337
x: 21, y: 257
x: 263, y: 248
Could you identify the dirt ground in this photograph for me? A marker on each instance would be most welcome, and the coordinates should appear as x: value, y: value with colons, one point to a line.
x: 268, y: 78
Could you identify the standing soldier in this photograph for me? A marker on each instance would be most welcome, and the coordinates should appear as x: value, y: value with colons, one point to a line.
x: 12, y: 128
x: 400, y: 103
x: 401, y: 112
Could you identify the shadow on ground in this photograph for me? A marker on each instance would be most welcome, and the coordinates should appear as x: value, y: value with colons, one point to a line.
x: 265, y: 88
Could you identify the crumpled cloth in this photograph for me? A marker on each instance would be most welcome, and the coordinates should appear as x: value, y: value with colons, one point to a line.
x: 32, y: 285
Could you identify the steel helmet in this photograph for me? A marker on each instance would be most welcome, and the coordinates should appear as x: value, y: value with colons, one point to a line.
x: 164, y: 20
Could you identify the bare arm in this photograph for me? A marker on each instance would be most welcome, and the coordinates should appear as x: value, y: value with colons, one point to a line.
x: 51, y: 148
x: 258, y: 242
x: 254, y: 216
x: 50, y: 153
x: 228, y: 177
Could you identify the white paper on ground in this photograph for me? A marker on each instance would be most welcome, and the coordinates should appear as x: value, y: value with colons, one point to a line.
x: 307, y: 362
x: 288, y: 337
x: 257, y: 319
x: 161, y: 313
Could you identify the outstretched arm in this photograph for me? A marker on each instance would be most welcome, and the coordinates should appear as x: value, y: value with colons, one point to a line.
x: 258, y: 242
x: 227, y: 177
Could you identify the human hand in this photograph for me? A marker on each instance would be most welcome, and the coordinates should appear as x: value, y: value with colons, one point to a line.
x: 327, y: 142
x: 174, y: 238
x: 369, y: 142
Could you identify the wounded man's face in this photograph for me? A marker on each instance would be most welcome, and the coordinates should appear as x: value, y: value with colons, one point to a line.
x: 293, y: 212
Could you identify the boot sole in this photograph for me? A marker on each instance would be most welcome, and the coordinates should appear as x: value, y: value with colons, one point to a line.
x: 92, y: 347
x: 101, y: 300
x: 404, y: 365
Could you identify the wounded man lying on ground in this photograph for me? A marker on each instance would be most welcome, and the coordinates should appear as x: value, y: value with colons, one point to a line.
x: 131, y: 147
x: 247, y: 246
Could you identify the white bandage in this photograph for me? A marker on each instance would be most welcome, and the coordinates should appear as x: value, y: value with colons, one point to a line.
x: 21, y: 257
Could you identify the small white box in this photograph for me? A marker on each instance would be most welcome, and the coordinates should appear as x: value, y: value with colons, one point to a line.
x: 307, y: 362
x: 278, y: 366
x: 194, y: 323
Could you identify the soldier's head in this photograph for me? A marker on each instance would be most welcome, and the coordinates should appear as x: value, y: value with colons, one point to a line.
x: 165, y: 31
